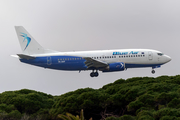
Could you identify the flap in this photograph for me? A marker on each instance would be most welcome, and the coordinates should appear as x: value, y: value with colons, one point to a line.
x: 92, y: 63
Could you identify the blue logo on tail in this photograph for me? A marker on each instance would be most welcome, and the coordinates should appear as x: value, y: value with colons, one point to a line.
x: 26, y: 38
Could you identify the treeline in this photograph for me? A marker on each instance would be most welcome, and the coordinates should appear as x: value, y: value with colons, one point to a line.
x: 132, y: 99
x: 25, y: 104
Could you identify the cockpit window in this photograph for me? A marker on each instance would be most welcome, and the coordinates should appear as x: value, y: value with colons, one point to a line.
x: 160, y: 54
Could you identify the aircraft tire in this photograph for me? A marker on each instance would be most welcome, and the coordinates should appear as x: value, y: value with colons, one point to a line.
x: 96, y: 74
x: 153, y: 71
x: 92, y: 74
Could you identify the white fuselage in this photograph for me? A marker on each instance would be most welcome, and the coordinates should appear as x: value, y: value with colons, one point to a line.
x: 131, y: 57
x: 103, y: 60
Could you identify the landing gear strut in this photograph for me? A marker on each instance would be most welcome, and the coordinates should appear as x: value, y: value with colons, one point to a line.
x: 94, y: 74
x: 153, y: 71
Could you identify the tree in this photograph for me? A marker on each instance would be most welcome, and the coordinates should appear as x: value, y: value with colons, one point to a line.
x: 69, y: 116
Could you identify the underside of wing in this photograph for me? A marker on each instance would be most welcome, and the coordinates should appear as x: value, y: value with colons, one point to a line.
x: 92, y: 63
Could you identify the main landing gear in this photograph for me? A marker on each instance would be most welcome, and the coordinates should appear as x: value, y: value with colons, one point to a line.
x: 94, y: 74
x: 153, y: 71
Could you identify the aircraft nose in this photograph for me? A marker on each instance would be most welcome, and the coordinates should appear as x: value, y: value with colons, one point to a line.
x: 168, y: 58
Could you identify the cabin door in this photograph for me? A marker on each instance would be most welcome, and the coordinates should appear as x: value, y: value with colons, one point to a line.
x: 150, y: 55
x: 49, y: 62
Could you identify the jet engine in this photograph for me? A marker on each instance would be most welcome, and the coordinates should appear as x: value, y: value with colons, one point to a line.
x: 119, y: 66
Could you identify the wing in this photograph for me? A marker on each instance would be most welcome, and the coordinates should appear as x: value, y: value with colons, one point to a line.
x: 92, y: 63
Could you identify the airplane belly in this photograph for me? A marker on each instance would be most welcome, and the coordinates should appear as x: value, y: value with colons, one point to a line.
x: 68, y: 63
x: 55, y: 63
x: 128, y: 65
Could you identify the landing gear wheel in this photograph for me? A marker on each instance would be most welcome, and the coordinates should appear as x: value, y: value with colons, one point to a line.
x: 96, y: 74
x: 153, y: 71
x: 92, y: 74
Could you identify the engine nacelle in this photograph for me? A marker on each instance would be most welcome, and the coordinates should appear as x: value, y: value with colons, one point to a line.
x: 119, y: 66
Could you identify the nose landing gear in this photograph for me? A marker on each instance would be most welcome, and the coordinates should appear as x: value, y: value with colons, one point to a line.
x: 153, y: 71
x: 94, y: 74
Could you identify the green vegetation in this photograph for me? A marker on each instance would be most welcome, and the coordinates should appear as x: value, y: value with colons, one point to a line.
x: 132, y: 99
x: 25, y: 103
x: 69, y: 116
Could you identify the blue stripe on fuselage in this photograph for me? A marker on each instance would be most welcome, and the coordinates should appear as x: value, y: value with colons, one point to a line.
x: 58, y: 62
x: 70, y: 63
x: 127, y: 65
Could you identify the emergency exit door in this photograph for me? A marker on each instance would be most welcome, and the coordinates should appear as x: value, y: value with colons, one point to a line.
x: 49, y: 62
x: 150, y: 55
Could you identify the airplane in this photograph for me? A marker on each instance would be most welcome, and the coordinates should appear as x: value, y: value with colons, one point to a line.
x: 99, y: 60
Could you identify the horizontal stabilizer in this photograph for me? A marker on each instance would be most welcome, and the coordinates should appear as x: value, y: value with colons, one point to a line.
x: 15, y: 56
x: 22, y: 56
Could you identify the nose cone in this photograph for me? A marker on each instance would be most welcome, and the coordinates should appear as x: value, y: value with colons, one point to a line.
x: 167, y: 58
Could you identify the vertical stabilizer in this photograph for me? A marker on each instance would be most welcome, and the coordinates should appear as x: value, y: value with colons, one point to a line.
x: 28, y: 44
